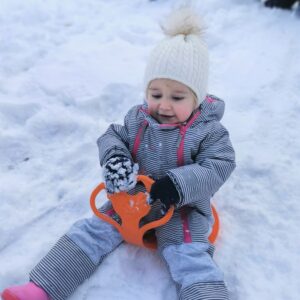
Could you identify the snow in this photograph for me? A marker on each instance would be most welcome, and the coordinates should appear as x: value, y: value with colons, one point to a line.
x: 70, y: 68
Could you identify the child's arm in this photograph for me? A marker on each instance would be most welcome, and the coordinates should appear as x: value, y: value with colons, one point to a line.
x: 119, y: 170
x: 115, y: 141
x: 215, y: 161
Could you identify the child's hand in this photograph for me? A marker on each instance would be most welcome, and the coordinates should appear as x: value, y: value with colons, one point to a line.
x: 120, y: 174
x: 164, y: 190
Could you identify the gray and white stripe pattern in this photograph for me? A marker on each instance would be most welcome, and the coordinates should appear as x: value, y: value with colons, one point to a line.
x: 63, y: 269
x: 205, y: 290
x: 208, y: 159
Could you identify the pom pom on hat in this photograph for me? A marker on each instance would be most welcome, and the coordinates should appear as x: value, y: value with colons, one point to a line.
x: 182, y: 55
x: 183, y: 21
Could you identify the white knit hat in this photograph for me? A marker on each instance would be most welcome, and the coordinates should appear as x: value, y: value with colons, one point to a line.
x: 182, y: 55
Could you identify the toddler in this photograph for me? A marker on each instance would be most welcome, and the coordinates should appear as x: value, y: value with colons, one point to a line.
x: 176, y: 138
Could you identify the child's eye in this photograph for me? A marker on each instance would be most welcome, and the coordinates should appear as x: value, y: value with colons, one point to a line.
x: 177, y: 98
x: 156, y: 96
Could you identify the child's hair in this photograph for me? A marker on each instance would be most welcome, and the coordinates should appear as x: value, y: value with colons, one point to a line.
x: 182, y: 55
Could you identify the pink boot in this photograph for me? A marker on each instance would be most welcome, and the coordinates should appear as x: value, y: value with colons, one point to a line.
x: 28, y: 291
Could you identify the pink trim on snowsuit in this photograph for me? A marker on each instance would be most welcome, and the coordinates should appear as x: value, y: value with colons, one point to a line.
x: 110, y: 212
x: 183, y: 129
x: 210, y: 99
x: 180, y: 162
x: 187, y: 238
x: 138, y: 139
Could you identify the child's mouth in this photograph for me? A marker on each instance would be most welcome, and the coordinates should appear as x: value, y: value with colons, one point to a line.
x: 165, y: 116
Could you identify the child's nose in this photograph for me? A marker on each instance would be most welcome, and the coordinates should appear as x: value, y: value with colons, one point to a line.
x: 165, y: 104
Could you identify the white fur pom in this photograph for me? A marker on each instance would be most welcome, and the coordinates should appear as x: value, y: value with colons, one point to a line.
x: 183, y: 21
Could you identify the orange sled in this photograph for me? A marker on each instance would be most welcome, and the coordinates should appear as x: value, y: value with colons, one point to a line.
x: 131, y: 209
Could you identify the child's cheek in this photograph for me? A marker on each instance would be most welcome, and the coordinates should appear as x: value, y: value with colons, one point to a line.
x: 184, y: 114
x: 151, y: 106
x: 182, y: 111
x: 151, y: 110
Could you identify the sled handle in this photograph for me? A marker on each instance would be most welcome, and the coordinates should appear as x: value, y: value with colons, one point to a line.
x: 99, y: 214
x: 131, y: 209
x: 216, y: 226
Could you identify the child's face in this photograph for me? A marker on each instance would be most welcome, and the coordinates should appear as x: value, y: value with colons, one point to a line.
x: 170, y: 101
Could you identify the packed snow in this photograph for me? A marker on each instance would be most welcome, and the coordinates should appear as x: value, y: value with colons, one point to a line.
x: 70, y: 68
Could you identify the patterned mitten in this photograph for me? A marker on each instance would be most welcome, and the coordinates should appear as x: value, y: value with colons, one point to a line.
x: 120, y: 174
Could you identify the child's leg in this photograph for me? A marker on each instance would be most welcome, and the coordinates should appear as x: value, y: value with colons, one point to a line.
x: 75, y: 257
x: 183, y: 245
x: 195, y: 273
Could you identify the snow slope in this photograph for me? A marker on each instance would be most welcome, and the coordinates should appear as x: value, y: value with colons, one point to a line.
x: 70, y: 68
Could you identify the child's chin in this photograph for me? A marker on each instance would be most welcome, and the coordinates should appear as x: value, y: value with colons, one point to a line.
x: 163, y: 120
x: 168, y: 122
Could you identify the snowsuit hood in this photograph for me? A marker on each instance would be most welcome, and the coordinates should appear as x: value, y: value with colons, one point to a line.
x: 212, y: 109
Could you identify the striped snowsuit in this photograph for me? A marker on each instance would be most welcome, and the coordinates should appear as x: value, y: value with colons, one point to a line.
x: 199, y: 158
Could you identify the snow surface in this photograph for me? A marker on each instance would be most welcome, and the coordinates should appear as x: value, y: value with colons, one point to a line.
x: 70, y: 68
